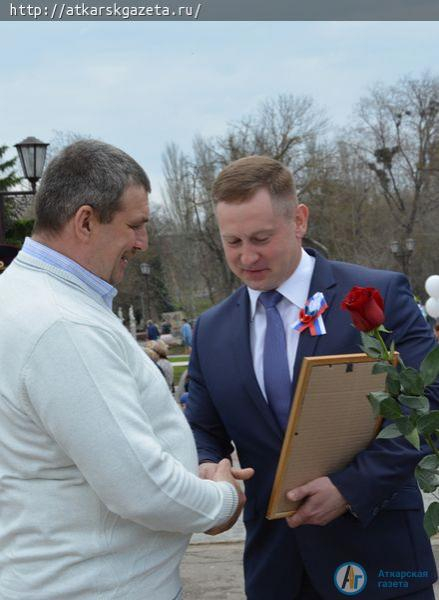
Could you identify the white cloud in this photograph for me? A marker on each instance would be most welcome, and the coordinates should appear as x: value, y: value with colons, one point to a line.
x: 141, y: 85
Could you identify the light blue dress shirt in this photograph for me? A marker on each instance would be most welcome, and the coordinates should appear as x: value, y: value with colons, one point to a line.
x: 56, y: 259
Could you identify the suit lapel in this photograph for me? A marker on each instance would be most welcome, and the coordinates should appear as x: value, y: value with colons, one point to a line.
x: 322, y: 281
x: 242, y: 353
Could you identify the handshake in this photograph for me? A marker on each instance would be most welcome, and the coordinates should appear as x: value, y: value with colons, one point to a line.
x: 223, y: 471
x: 321, y: 501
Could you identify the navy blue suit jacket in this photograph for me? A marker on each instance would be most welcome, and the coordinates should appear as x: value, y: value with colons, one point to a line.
x: 226, y: 406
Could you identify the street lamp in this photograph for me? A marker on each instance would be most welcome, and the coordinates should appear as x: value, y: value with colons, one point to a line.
x: 145, y: 269
x: 32, y: 153
x: 403, y: 253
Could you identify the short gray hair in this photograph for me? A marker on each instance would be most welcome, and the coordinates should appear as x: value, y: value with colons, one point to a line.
x: 86, y: 172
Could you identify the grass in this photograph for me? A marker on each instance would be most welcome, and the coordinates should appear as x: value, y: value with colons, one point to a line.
x: 175, y: 350
x: 178, y: 371
x: 175, y: 359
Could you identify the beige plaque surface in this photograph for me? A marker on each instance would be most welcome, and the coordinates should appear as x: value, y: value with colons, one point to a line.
x: 330, y: 422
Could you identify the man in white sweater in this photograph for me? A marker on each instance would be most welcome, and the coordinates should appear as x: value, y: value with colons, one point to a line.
x: 98, y: 485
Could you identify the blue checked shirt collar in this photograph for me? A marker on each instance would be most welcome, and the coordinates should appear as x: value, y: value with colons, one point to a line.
x: 56, y: 259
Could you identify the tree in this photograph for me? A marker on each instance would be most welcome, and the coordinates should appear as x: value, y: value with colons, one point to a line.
x: 397, y: 138
x: 8, y: 178
x: 288, y: 128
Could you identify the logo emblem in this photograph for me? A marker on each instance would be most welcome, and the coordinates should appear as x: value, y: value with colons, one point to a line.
x: 350, y: 578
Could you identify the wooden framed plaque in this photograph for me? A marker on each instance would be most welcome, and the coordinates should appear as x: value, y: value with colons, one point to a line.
x: 330, y: 422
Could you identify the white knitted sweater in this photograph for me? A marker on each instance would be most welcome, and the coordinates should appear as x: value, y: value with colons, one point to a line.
x: 98, y: 492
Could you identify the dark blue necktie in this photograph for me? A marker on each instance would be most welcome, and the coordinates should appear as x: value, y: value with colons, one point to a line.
x: 276, y: 372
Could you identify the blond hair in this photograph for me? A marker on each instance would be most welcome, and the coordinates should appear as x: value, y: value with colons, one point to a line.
x: 159, y: 347
x: 241, y: 179
x: 152, y: 354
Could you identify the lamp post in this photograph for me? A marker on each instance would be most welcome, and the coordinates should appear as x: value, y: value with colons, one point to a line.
x: 403, y: 253
x: 145, y: 269
x: 32, y: 154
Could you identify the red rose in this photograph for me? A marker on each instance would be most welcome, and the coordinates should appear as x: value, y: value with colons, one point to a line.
x: 366, y: 307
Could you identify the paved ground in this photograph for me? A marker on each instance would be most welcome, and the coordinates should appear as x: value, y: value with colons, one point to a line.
x: 213, y: 572
x: 212, y: 567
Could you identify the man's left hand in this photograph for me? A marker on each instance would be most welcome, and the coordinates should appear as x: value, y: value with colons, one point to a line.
x: 323, y: 503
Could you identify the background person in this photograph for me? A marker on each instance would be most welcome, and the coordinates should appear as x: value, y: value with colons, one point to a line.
x: 161, y: 351
x: 166, y: 328
x: 152, y: 331
x: 99, y: 494
x: 246, y: 354
x: 186, y: 335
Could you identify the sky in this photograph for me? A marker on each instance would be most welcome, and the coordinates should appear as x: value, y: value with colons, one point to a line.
x: 143, y: 85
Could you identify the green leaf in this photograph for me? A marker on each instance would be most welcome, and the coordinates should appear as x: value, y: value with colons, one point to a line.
x: 413, y: 438
x: 384, y: 367
x: 370, y: 345
x: 405, y: 425
x: 375, y: 399
x: 428, y: 480
x: 375, y: 405
x: 431, y: 519
x: 416, y: 402
x: 429, y: 463
x: 371, y: 352
x: 379, y: 396
x: 390, y: 409
x: 392, y: 383
x: 389, y: 432
x: 430, y: 367
x: 382, y: 328
x: 428, y: 424
x: 411, y: 382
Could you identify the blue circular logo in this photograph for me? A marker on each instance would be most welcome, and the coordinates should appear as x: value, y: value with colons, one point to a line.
x: 350, y: 578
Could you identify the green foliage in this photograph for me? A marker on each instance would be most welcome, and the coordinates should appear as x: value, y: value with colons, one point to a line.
x: 390, y: 409
x: 393, y: 384
x: 389, y: 432
x: 405, y: 425
x: 383, y: 367
x: 404, y: 402
x: 431, y: 519
x: 429, y: 424
x: 375, y: 399
x: 428, y: 480
x: 19, y: 231
x: 413, y: 438
x: 411, y: 381
x: 8, y: 176
x: 430, y: 367
x: 420, y: 403
x: 370, y: 345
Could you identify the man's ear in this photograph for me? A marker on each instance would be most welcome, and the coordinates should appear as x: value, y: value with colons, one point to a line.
x: 84, y: 222
x: 301, y: 220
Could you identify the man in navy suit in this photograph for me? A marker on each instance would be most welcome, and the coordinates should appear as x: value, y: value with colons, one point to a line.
x: 358, y: 531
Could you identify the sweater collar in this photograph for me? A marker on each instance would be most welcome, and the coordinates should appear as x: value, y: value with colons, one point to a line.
x: 52, y: 258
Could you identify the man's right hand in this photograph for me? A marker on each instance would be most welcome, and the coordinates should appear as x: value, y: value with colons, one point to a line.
x: 208, y: 470
x: 223, y: 471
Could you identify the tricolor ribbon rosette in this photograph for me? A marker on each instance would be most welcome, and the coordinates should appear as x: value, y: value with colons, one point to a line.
x: 310, y: 317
